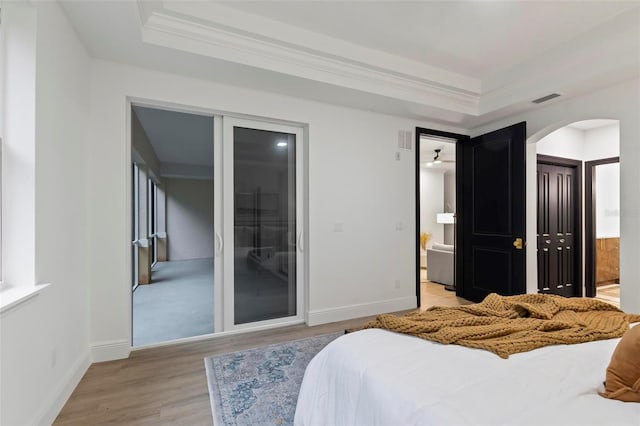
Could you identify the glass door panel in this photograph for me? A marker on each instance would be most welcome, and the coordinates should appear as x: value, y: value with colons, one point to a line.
x: 266, y: 226
x: 264, y: 223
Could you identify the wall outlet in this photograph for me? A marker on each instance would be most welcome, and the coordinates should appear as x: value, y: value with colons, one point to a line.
x: 397, y: 284
x: 338, y: 227
x: 397, y: 156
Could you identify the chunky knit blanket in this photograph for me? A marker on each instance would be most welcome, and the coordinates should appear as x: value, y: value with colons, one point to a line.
x: 507, y: 325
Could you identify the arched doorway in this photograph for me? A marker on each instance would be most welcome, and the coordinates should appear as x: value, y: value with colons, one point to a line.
x: 567, y: 249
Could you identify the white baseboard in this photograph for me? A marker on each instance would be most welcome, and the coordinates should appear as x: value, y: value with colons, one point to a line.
x: 323, y: 316
x: 51, y: 408
x: 110, y: 350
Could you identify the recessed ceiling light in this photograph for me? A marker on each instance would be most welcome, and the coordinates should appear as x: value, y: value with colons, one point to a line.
x: 281, y: 144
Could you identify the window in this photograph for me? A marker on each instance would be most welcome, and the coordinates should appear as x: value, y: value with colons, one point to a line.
x: 17, y: 140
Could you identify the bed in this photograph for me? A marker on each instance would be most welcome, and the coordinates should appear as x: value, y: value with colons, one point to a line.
x: 378, y: 377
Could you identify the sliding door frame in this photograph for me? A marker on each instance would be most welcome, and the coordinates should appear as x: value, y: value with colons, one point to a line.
x: 222, y: 240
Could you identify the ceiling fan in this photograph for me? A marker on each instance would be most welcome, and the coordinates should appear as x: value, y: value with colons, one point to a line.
x: 437, y: 159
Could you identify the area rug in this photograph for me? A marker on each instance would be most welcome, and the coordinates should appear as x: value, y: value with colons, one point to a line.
x: 260, y: 386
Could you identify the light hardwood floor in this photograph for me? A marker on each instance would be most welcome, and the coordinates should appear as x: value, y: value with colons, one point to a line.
x: 433, y: 294
x: 167, y: 385
x: 609, y: 293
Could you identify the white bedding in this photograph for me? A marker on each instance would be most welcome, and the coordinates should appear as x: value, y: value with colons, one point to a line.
x: 376, y: 377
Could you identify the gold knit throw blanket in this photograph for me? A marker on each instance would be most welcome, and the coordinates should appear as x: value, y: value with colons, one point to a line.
x: 507, y: 325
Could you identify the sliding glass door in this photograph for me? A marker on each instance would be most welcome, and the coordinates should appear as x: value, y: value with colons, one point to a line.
x: 258, y: 226
x: 263, y: 223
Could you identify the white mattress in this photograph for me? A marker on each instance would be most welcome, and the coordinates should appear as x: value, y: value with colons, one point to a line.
x: 376, y: 377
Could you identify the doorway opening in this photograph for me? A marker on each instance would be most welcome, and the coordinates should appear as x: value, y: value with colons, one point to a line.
x: 602, y: 208
x: 559, y: 225
x: 574, y: 255
x: 436, y: 196
x: 489, y: 254
x: 172, y: 225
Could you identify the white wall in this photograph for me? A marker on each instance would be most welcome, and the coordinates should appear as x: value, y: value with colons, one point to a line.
x: 346, y: 277
x: 608, y: 200
x: 45, y: 342
x: 189, y: 218
x: 620, y: 102
x: 431, y: 203
x: 583, y: 145
x: 602, y: 142
x: 449, y: 204
x: 565, y: 142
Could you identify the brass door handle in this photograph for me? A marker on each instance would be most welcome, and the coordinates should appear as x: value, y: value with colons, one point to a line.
x: 518, y: 243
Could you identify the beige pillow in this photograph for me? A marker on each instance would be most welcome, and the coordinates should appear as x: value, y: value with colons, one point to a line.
x: 623, y: 373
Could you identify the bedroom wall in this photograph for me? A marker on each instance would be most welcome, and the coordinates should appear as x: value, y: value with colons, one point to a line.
x: 565, y: 142
x: 602, y: 142
x: 431, y: 203
x: 584, y: 145
x: 619, y: 102
x: 44, y: 346
x: 351, y: 273
x: 189, y: 218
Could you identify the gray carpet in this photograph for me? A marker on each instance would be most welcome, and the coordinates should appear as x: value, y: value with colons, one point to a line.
x: 260, y: 386
x: 178, y: 304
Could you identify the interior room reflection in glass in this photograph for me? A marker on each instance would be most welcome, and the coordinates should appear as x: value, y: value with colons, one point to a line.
x: 264, y: 225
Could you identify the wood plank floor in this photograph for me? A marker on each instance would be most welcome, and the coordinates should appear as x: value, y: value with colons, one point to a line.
x: 167, y: 385
x: 609, y: 293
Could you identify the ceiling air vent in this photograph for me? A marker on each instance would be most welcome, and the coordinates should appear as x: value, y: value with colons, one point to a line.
x: 545, y: 98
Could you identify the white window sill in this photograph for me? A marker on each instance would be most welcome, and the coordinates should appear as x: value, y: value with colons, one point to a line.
x: 12, y: 297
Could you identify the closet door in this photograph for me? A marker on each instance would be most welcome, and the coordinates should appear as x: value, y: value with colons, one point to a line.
x: 263, y: 223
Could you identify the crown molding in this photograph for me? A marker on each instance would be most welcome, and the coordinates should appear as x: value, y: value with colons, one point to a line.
x: 368, y: 78
x: 216, y: 31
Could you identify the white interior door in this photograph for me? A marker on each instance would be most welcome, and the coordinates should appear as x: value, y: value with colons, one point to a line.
x: 262, y: 243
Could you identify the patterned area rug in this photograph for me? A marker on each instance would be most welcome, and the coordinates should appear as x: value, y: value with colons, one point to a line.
x: 260, y: 386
